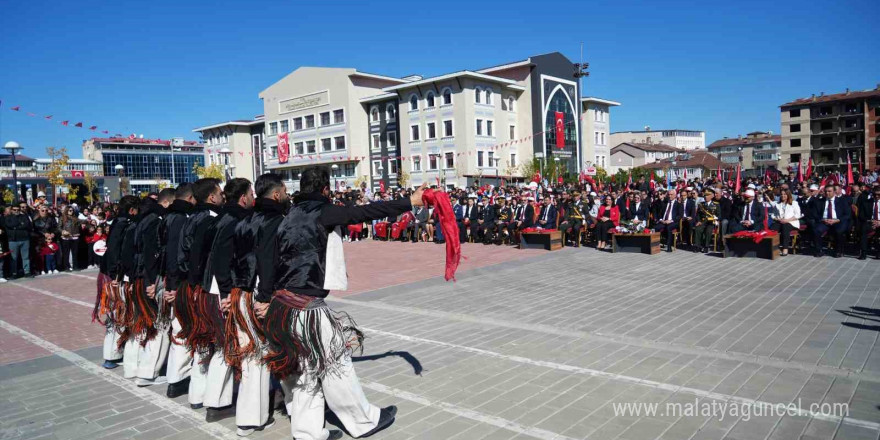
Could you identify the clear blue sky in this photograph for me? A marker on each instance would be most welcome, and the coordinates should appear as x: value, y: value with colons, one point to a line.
x: 161, y: 68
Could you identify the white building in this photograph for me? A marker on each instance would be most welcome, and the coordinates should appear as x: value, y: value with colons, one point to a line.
x: 686, y: 139
x: 596, y: 135
x: 236, y: 145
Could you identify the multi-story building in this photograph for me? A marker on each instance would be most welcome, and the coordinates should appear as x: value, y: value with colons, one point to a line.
x: 596, y: 136
x: 629, y: 155
x: 33, y: 174
x: 456, y: 128
x: 830, y: 128
x: 760, y: 151
x: 686, y: 139
x: 319, y: 111
x: 236, y: 145
x: 690, y: 164
x: 146, y: 163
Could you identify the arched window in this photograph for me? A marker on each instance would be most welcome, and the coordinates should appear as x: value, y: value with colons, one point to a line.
x: 477, y: 93
x: 413, y: 102
x: 429, y: 100
x: 488, y: 96
x: 374, y: 114
x: 510, y: 103
x: 390, y: 111
x: 447, y: 96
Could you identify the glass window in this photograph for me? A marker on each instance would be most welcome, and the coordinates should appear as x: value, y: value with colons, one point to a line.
x: 510, y: 102
x: 433, y: 162
x: 603, y: 138
x: 447, y: 97
x: 348, y: 169
x: 310, y: 147
x: 429, y: 100
x: 413, y: 102
x: 488, y: 97
x: 338, y: 116
x: 374, y: 114
x: 479, y: 158
x: 489, y: 131
x: 392, y: 166
x: 325, y: 118
x: 325, y: 145
x: 283, y: 126
x: 447, y: 128
x: 377, y: 168
x: 310, y: 121
x: 477, y: 93
x: 450, y: 160
x: 392, y: 139
x: 273, y: 128
x: 491, y: 161
x: 297, y: 124
x: 513, y: 159
x: 512, y: 131
x: 340, y: 142
x: 414, y: 130
x: 390, y: 111
x: 377, y: 142
x: 432, y: 130
x: 479, y: 127
x: 297, y: 147
x: 417, y: 163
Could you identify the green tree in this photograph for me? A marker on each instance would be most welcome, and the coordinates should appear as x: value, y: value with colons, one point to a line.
x: 58, y: 160
x: 90, y: 183
x: 211, y: 171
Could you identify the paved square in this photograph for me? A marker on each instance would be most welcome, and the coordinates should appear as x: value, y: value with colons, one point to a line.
x: 526, y: 344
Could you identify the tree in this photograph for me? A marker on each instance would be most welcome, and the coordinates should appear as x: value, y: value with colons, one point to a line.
x: 362, y: 179
x: 90, y: 184
x: 72, y: 192
x: 58, y: 160
x: 530, y: 168
x: 402, y: 178
x: 8, y: 196
x: 214, y: 171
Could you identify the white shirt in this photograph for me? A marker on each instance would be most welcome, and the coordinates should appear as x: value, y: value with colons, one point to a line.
x: 829, y: 203
x: 790, y: 211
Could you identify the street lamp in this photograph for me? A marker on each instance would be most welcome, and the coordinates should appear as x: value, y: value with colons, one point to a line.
x: 13, y: 147
x: 120, y: 173
x: 335, y: 168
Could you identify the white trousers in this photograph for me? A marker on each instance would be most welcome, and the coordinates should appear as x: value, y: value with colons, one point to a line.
x: 198, y: 381
x: 252, y: 407
x: 111, y: 338
x: 218, y: 382
x: 130, y: 354
x: 305, y: 395
x: 179, y: 360
x: 152, y: 356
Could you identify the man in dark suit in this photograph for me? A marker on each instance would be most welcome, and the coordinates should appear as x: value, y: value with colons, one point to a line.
x: 524, y: 217
x: 547, y: 217
x: 469, y: 218
x: 668, y: 221
x: 638, y: 211
x: 832, y: 215
x: 869, y: 217
x: 749, y: 215
x: 486, y: 220
x: 419, y: 224
x: 689, y: 217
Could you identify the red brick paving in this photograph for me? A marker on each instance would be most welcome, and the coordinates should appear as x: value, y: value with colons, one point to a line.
x: 371, y: 265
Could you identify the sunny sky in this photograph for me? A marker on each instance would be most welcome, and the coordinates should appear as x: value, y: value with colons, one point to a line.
x: 162, y: 68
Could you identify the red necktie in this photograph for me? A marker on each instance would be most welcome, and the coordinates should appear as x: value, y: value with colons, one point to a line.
x: 668, y: 209
x: 829, y: 208
x: 877, y: 210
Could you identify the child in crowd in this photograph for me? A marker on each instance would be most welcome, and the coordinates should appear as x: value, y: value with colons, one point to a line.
x: 95, y: 234
x: 48, y: 250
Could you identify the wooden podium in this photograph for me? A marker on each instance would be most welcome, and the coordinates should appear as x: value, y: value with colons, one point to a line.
x: 549, y: 240
x: 744, y: 247
x: 643, y: 242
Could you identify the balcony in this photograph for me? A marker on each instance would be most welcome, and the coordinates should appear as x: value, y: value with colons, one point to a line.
x: 851, y: 112
x: 817, y: 114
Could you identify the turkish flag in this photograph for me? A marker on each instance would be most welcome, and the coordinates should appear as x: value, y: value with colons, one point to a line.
x: 809, y: 168
x: 94, y: 127
x: 283, y: 148
x: 560, y: 130
x: 381, y: 186
x: 15, y: 109
x: 738, y: 179
x: 77, y: 173
x: 64, y: 123
x: 78, y: 124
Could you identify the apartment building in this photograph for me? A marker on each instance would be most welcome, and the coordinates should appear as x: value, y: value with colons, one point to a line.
x: 830, y: 128
x: 596, y: 137
x: 678, y: 138
x: 146, y: 163
x: 630, y: 155
x: 760, y: 151
x: 318, y: 112
x: 236, y: 145
x: 690, y: 165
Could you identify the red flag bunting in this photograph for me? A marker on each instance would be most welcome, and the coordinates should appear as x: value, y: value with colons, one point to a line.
x: 78, y: 124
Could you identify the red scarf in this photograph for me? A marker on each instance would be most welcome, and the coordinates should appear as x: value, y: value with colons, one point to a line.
x: 443, y: 209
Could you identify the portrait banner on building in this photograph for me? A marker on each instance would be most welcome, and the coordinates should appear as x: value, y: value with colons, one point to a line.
x: 560, y: 130
x: 283, y: 148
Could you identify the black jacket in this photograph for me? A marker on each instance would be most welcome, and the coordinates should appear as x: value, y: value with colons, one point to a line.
x: 111, y: 263
x: 146, y: 241
x: 866, y: 209
x: 303, y: 234
x: 128, y: 258
x: 757, y: 212
x: 268, y: 214
x: 169, y: 238
x: 642, y: 212
x: 195, y: 243
x: 18, y: 227
x: 726, y: 211
x: 46, y: 224
x: 223, y: 252
x: 676, y: 213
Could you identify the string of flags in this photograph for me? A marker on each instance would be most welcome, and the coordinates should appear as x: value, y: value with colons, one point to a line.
x: 65, y: 123
x: 559, y: 127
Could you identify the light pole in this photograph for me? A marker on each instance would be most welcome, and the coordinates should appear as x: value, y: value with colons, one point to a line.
x: 556, y: 168
x: 120, y: 173
x: 13, y: 147
x: 107, y: 193
x: 335, y: 169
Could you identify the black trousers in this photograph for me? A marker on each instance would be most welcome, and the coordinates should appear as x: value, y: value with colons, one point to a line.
x: 867, y: 227
x: 669, y: 230
x: 686, y: 228
x: 784, y: 230
x: 602, y: 229
x: 68, y: 249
